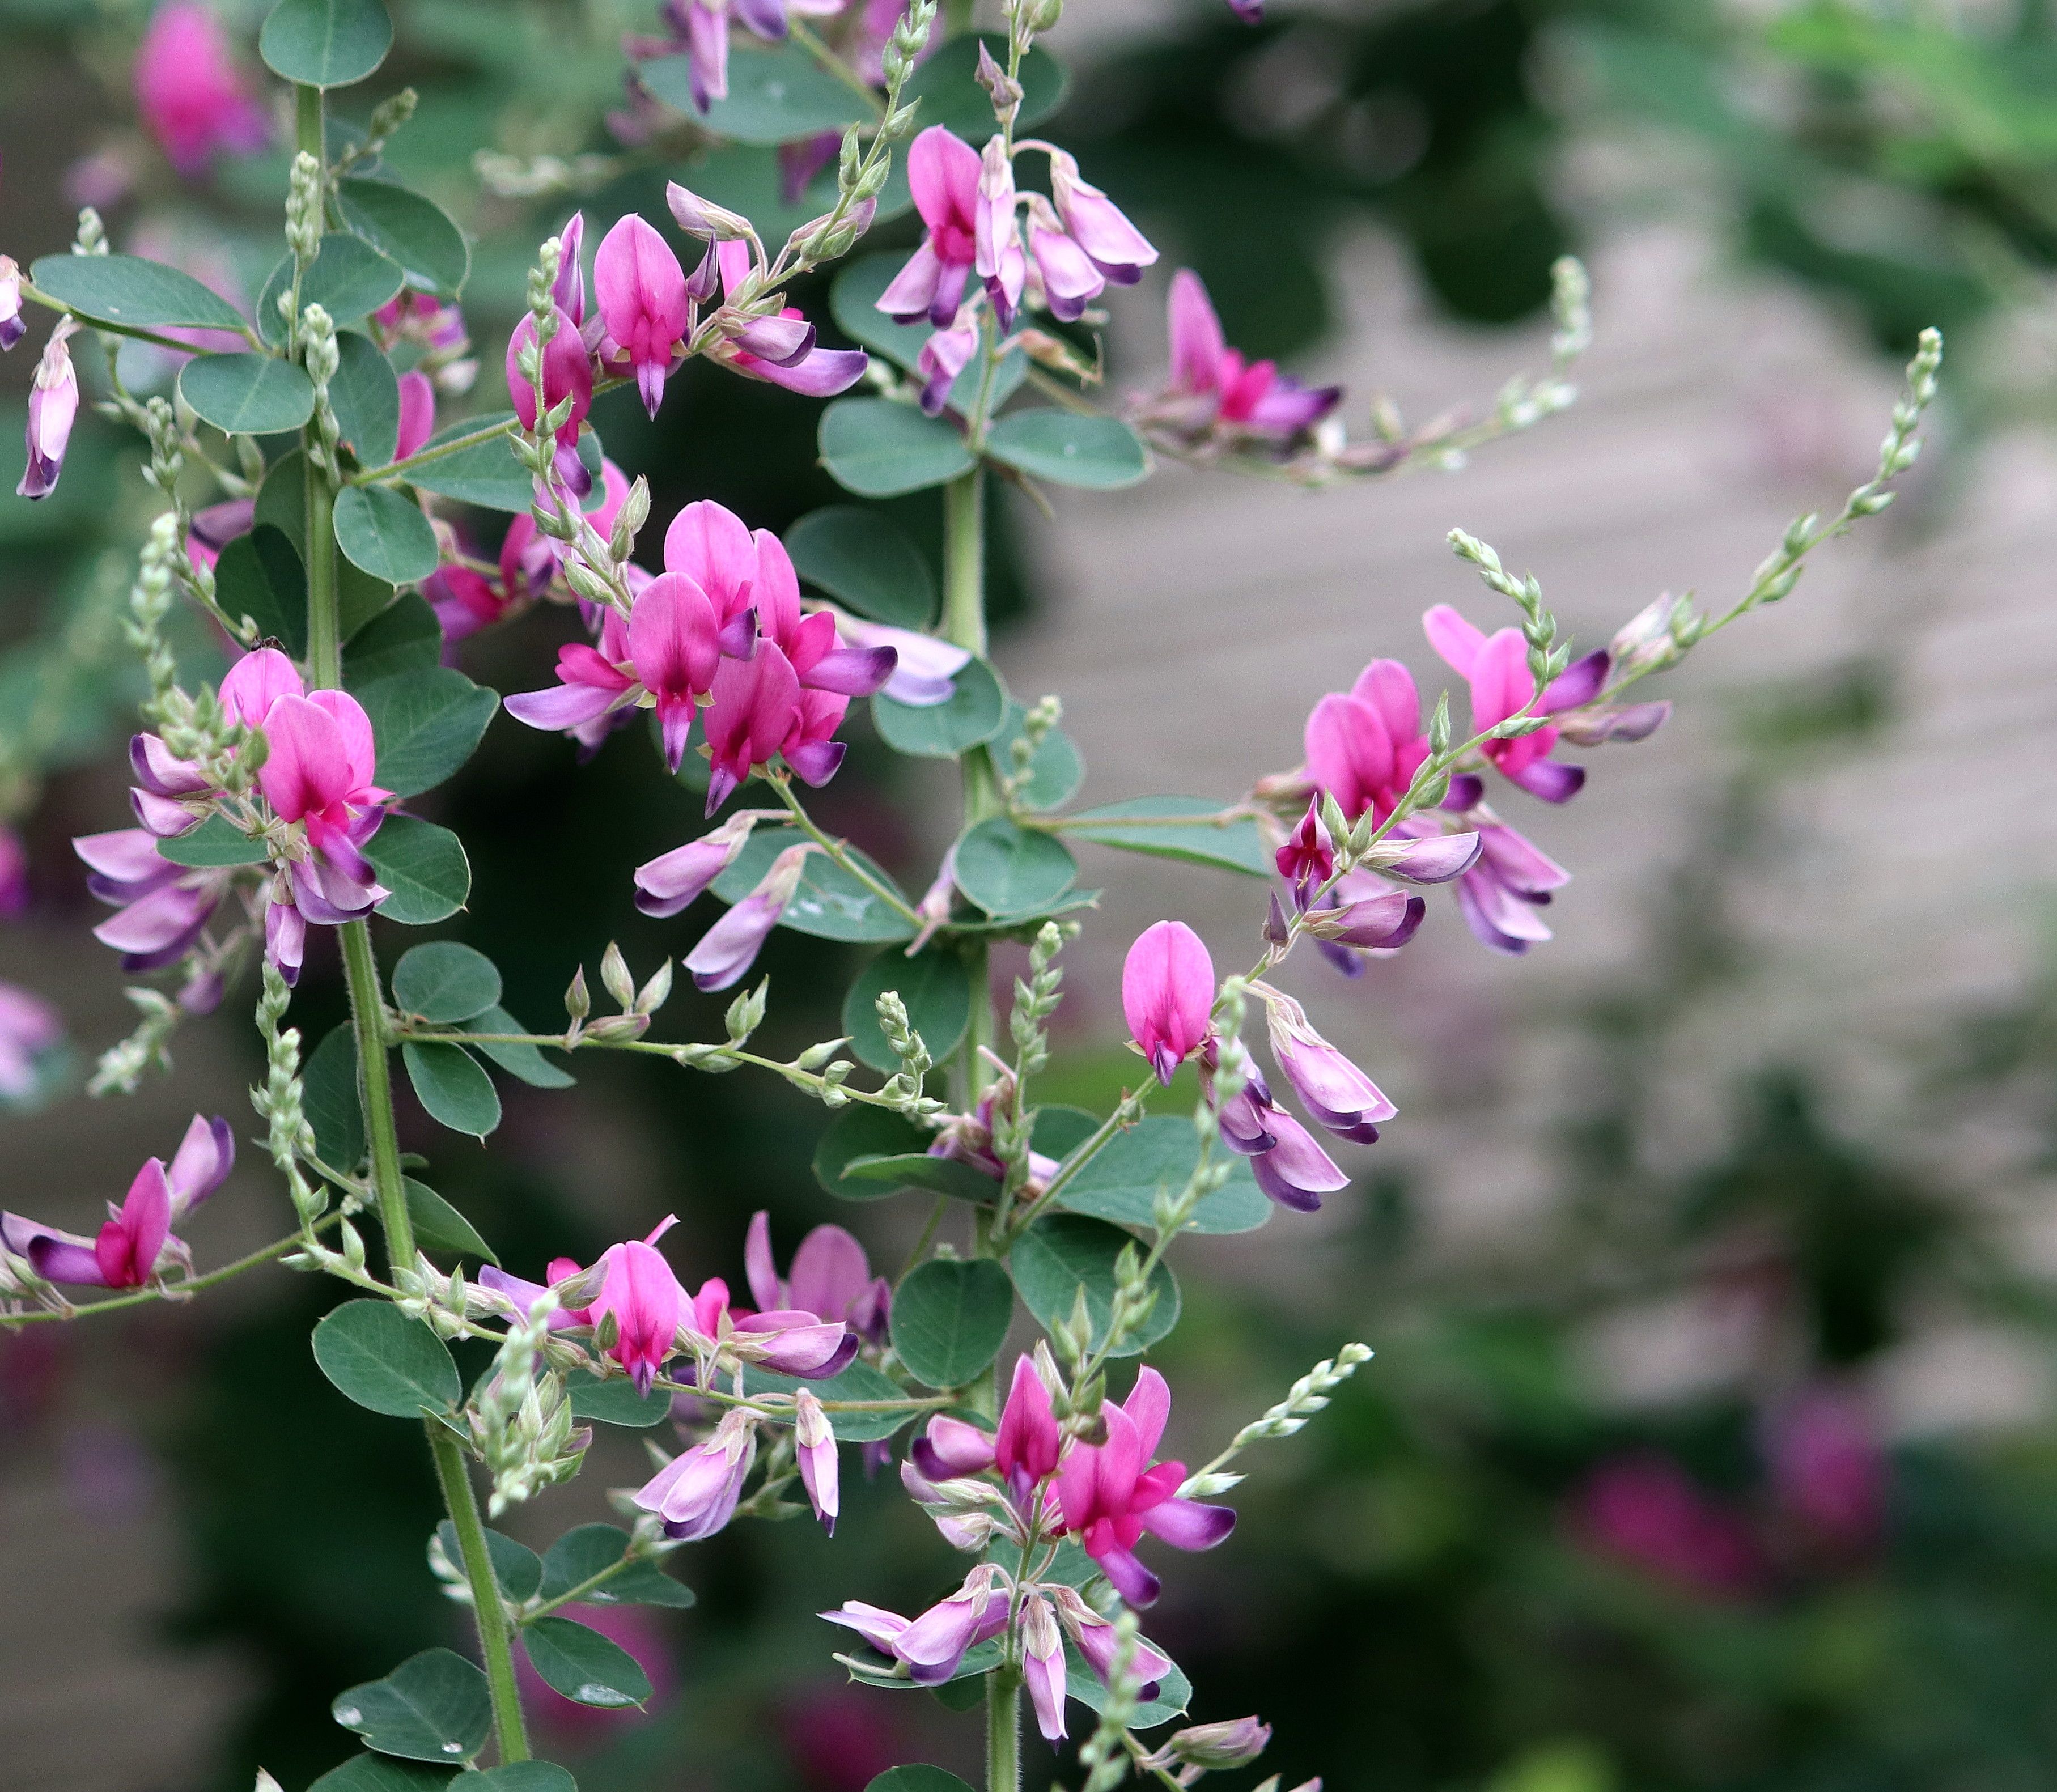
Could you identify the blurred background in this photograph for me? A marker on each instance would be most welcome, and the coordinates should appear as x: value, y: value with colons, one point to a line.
x: 1710, y: 1265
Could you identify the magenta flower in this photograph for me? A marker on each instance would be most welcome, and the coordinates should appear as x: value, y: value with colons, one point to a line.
x: 29, y: 1027
x: 788, y: 1341
x: 1644, y: 1508
x: 1168, y: 994
x: 1502, y: 895
x: 696, y: 1492
x: 164, y: 908
x: 318, y: 773
x: 1828, y: 1469
x: 1023, y: 1451
x: 945, y: 355
x: 1502, y: 686
x: 780, y: 350
x: 1093, y: 220
x: 934, y: 1644
x: 671, y: 881
x: 755, y: 706
x: 1111, y: 1493
x: 943, y: 171
x: 831, y: 1276
x: 567, y: 373
x: 215, y: 526
x: 1095, y: 1637
x: 1289, y: 1163
x: 1212, y: 386
x: 13, y: 874
x: 1363, y: 914
x: 1365, y: 746
x: 189, y: 92
x: 924, y: 669
x: 592, y: 682
x: 569, y: 289
x: 997, y: 254
x: 1338, y: 1094
x: 1308, y: 858
x: 641, y: 289
x: 135, y: 1244
x: 12, y: 328
x: 1043, y: 1665
x: 1068, y: 276
x: 673, y: 645
x: 418, y: 412
x: 53, y: 409
x: 728, y: 948
x: 814, y: 1447
x: 631, y: 1281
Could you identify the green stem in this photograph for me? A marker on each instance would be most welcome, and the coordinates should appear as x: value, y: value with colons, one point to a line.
x: 494, y: 1635
x: 324, y: 623
x: 456, y: 445
x: 375, y: 1089
x: 964, y: 624
x: 1003, y: 1730
x: 307, y: 135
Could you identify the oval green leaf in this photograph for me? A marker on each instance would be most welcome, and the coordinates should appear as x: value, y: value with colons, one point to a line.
x: 830, y: 903
x: 425, y: 867
x: 328, y: 1077
x: 434, y: 1707
x: 576, y: 1556
x: 437, y: 1226
x: 377, y: 1356
x: 950, y: 1318
x: 516, y: 1569
x: 216, y: 841
x: 1184, y: 827
x: 918, y: 1169
x: 584, y: 1666
x: 1064, y: 1253
x: 247, y: 394
x: 128, y: 289
x: 616, y: 1402
x: 975, y: 714
x: 936, y: 989
x: 452, y: 1085
x: 1007, y: 869
x: 866, y: 562
x: 412, y: 231
x: 1099, y: 453
x: 258, y: 576
x: 517, y: 1057
x: 775, y: 96
x: 1122, y: 1180
x: 326, y: 43
x: 404, y: 637
x: 445, y: 982
x: 380, y: 1772
x: 918, y: 1776
x: 878, y: 450
x: 426, y: 724
x: 485, y: 474
x: 349, y: 279
x: 523, y: 1776
x: 366, y: 394
x: 385, y: 534
x: 860, y: 1131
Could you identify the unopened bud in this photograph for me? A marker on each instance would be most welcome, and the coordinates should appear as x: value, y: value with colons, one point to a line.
x: 615, y: 979
x: 578, y: 1000
x: 702, y: 218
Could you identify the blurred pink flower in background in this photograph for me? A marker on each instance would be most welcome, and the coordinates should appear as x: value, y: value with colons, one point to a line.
x: 1644, y: 1508
x: 190, y: 92
x: 838, y: 1739
x: 1828, y: 1471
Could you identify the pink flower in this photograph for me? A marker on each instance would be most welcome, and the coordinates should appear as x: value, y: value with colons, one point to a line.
x: 945, y: 355
x: 997, y: 254
x: 1168, y: 994
x: 788, y: 1341
x: 29, y: 1027
x: 417, y: 413
x: 642, y: 292
x: 1023, y: 1451
x: 1502, y: 686
x: 1289, y: 1163
x: 631, y: 1281
x: 135, y: 1244
x: 190, y: 94
x: 1308, y: 858
x: 814, y: 1447
x: 1645, y: 1509
x: 924, y: 669
x: 728, y: 948
x: 1115, y: 246
x: 671, y: 881
x: 13, y: 874
x: 943, y: 171
x: 164, y: 908
x: 1109, y: 1494
x: 780, y: 350
x: 1043, y: 1665
x: 1828, y: 1469
x: 215, y: 526
x: 568, y: 290
x: 696, y: 1492
x: 933, y: 1645
x: 1069, y: 277
x: 755, y: 706
x: 318, y: 773
x: 1095, y: 1637
x: 592, y: 682
x: 1365, y: 746
x: 673, y: 645
x: 1502, y: 895
x: 1338, y: 1094
x: 831, y: 1276
x: 53, y: 409
x: 1212, y: 386
x: 12, y: 328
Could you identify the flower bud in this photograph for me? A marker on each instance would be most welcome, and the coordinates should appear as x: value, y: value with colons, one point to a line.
x: 1235, y: 1742
x: 702, y: 218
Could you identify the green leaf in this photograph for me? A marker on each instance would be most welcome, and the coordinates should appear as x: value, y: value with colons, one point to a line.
x: 1175, y: 1692
x: 258, y: 576
x: 830, y: 903
x: 951, y: 95
x: 1007, y: 869
x: 935, y: 986
x: 426, y: 724
x: 438, y: 1226
x: 1059, y: 1131
x: 584, y: 1666
x: 1101, y: 453
x: 918, y: 1776
x: 1064, y: 1253
x: 878, y: 450
x: 282, y: 499
x: 523, y: 1776
x: 349, y: 279
x: 325, y: 43
x: 950, y: 1318
x: 859, y: 1381
x: 1175, y: 828
x: 1122, y: 1180
x: 1056, y: 771
x: 775, y: 96
x: 917, y: 1169
x: 366, y: 394
x: 866, y: 562
x: 518, y: 1570
x: 128, y: 289
x: 404, y: 637
x: 862, y: 1131
x: 576, y: 1556
x: 975, y: 713
x: 616, y: 1402
x: 216, y: 841
x: 434, y: 1707
x: 329, y: 1098
x: 1024, y: 927
x: 425, y: 867
x: 385, y: 533
x: 452, y: 1085
x: 408, y: 229
x: 444, y: 982
x: 854, y: 303
x: 380, y: 1772
x: 517, y: 1058
x: 380, y: 1359
x: 247, y: 394
x: 485, y: 474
